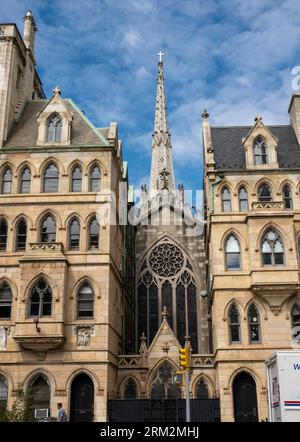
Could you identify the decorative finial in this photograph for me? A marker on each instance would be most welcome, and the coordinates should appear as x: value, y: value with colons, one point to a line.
x: 56, y: 91
x: 143, y: 338
x: 29, y: 13
x: 205, y: 114
x: 160, y: 56
x: 258, y: 118
x: 164, y: 313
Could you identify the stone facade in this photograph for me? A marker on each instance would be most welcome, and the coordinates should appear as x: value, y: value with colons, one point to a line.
x: 232, y: 164
x: 61, y: 345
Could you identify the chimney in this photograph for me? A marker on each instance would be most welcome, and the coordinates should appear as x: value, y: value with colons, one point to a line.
x: 294, y: 111
x: 29, y: 31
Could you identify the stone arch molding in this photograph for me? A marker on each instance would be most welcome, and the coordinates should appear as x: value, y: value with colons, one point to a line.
x: 33, y: 281
x: 247, y: 370
x: 90, y: 280
x: 12, y: 285
x: 238, y: 236
x: 82, y: 370
x: 154, y: 370
x: 124, y: 382
x: 40, y: 372
x: 210, y: 384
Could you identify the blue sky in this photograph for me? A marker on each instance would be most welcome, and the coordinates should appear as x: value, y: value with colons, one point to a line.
x: 232, y: 57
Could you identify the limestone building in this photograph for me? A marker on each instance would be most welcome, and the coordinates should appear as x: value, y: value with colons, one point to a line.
x: 252, y: 244
x: 61, y: 270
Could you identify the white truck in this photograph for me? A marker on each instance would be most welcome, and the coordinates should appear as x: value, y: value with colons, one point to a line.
x: 283, y: 377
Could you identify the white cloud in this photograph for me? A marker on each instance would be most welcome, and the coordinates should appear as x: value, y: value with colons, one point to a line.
x: 132, y: 39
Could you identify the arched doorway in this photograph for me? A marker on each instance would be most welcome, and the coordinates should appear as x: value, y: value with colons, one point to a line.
x: 39, y: 393
x: 244, y: 398
x: 82, y: 399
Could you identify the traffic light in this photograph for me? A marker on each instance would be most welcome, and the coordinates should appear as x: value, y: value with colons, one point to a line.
x: 184, y: 358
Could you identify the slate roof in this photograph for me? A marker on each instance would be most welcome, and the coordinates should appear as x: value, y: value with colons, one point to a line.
x: 230, y: 154
x: 24, y: 132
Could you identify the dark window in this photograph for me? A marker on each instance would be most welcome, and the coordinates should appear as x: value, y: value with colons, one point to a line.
x: 295, y: 317
x: 243, y: 199
x: 202, y: 390
x: 54, y: 134
x: 264, y: 193
x: 153, y: 311
x: 226, y: 200
x: 287, y: 197
x: 85, y: 301
x: 94, y: 234
x: 254, y: 324
x: 260, y: 151
x: 95, y: 179
x: 234, y: 324
x: 41, y: 299
x: 51, y: 179
x: 77, y: 179
x: 130, y: 390
x: 232, y: 253
x: 74, y: 235
x: 48, y: 230
x: 39, y: 394
x: 3, y: 234
x: 167, y: 300
x: 21, y: 235
x: 7, y: 181
x: 25, y: 181
x: 272, y: 248
x: 5, y: 301
x: 3, y: 394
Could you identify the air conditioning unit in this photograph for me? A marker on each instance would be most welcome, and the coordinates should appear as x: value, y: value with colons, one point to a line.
x: 41, y: 413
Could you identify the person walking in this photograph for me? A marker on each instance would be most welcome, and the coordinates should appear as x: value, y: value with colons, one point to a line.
x: 61, y: 415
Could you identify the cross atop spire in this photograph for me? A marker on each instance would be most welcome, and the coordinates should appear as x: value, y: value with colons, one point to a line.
x: 161, y: 162
x: 160, y: 56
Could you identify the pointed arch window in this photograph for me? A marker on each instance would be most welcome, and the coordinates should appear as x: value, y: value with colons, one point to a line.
x: 21, y: 235
x: 287, y: 197
x: 74, y: 234
x: 226, y: 200
x: 295, y: 319
x: 54, y: 128
x: 254, y: 324
x: 234, y: 324
x: 95, y: 179
x: 130, y: 391
x: 51, y: 179
x: 243, y: 199
x: 260, y: 150
x: 7, y: 178
x: 202, y: 390
x: 76, y: 185
x: 232, y: 253
x: 39, y: 394
x: 94, y: 232
x: 272, y: 248
x: 264, y: 193
x: 166, y: 280
x: 48, y: 229
x: 5, y: 301
x: 40, y: 299
x: 25, y: 181
x: 85, y: 301
x: 163, y: 386
x: 3, y: 234
x: 3, y: 393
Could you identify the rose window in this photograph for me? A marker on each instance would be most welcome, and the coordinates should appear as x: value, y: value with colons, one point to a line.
x: 166, y: 260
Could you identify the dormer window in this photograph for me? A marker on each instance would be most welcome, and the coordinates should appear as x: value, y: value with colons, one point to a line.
x: 260, y: 150
x: 54, y: 129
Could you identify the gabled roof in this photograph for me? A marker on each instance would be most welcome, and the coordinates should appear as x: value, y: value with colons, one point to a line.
x: 230, y: 154
x: 24, y: 133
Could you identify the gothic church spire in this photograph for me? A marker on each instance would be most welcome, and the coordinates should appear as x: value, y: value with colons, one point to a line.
x: 162, y: 173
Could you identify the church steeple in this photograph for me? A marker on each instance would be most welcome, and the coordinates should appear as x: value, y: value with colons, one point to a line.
x: 162, y: 173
